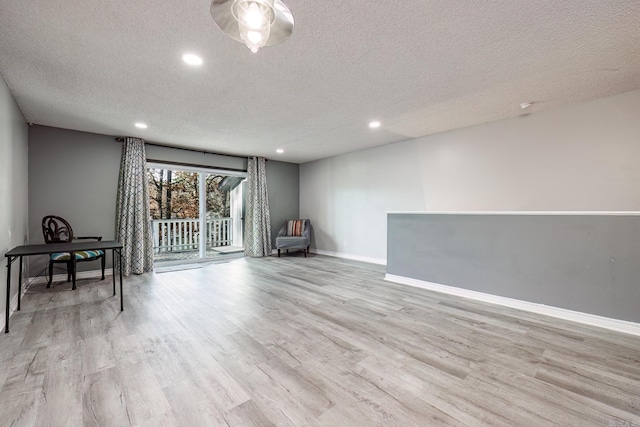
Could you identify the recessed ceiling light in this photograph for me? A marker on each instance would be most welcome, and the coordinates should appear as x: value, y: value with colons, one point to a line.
x: 140, y: 125
x: 526, y: 105
x: 192, y: 59
x: 374, y: 124
x: 279, y: 151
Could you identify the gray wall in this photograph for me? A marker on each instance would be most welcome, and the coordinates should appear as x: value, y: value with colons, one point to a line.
x: 283, y: 183
x: 578, y: 157
x: 13, y: 185
x: 75, y: 175
x: 585, y: 263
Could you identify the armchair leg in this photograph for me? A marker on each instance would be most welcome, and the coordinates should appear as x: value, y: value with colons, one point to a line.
x: 278, y: 253
x: 103, y: 263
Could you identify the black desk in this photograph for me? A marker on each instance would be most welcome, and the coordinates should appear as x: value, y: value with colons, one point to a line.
x: 47, y: 249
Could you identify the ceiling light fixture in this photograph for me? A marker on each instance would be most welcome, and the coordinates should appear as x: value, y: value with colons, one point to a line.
x: 256, y: 23
x: 526, y: 105
x: 141, y: 125
x: 374, y: 125
x: 192, y: 59
x: 279, y: 151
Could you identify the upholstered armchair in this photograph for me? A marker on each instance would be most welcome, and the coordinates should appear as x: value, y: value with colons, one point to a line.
x: 58, y: 230
x: 294, y: 234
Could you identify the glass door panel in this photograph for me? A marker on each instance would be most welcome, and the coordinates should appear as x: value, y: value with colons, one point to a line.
x: 223, y: 220
x: 174, y: 201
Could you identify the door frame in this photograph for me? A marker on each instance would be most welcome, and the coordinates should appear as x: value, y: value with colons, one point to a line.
x: 202, y: 172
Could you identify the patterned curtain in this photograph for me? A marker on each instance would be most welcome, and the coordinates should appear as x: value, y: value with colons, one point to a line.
x: 133, y: 215
x: 257, y: 241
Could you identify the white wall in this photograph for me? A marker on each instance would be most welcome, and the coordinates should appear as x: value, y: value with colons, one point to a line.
x: 580, y: 157
x: 13, y: 186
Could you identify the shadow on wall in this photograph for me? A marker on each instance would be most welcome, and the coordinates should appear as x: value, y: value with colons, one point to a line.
x: 327, y: 242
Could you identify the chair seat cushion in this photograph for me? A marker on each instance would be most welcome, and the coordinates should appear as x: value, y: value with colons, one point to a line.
x: 292, y: 242
x: 81, y: 255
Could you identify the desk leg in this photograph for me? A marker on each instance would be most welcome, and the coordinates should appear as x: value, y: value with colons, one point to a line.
x: 20, y: 284
x: 113, y: 270
x: 6, y: 318
x: 73, y: 269
x: 120, y: 268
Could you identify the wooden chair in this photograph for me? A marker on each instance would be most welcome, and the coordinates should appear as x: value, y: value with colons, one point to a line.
x: 58, y: 230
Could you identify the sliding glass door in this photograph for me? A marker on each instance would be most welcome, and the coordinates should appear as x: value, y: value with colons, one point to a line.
x: 196, y: 213
x: 223, y: 214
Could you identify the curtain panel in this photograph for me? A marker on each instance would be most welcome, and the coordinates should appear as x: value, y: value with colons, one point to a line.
x: 133, y: 215
x: 257, y: 220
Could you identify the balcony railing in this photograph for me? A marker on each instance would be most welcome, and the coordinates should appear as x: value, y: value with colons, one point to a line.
x: 178, y: 235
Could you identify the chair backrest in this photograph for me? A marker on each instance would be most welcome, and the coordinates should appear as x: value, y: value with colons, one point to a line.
x: 56, y: 230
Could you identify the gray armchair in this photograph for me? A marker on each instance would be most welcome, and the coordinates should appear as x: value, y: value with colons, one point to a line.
x: 294, y: 234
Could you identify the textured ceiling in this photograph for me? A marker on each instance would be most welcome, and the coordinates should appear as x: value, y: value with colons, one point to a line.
x: 418, y: 66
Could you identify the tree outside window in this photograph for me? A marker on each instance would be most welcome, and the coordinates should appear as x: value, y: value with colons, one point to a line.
x: 174, y: 194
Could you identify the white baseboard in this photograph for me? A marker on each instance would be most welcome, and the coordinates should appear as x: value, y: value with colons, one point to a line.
x: 560, y: 313
x: 380, y: 261
x: 91, y: 274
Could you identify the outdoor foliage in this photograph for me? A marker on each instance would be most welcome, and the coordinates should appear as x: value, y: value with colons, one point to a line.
x: 174, y: 194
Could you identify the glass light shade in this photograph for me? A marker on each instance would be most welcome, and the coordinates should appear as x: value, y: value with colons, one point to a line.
x: 255, y: 18
x: 255, y: 23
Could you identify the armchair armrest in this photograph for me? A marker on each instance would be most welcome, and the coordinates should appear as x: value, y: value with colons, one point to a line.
x: 283, y: 230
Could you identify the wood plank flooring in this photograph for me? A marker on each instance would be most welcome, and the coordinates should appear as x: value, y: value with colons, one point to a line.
x: 296, y: 341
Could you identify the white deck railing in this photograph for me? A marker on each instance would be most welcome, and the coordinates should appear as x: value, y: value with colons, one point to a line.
x: 184, y: 234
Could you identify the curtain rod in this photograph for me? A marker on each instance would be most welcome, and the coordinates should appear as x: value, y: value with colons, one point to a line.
x: 193, y: 165
x: 121, y: 139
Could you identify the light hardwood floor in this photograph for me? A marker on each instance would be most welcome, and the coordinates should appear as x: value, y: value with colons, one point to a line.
x: 296, y: 341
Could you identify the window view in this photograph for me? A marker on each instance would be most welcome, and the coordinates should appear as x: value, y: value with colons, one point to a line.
x: 194, y: 214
